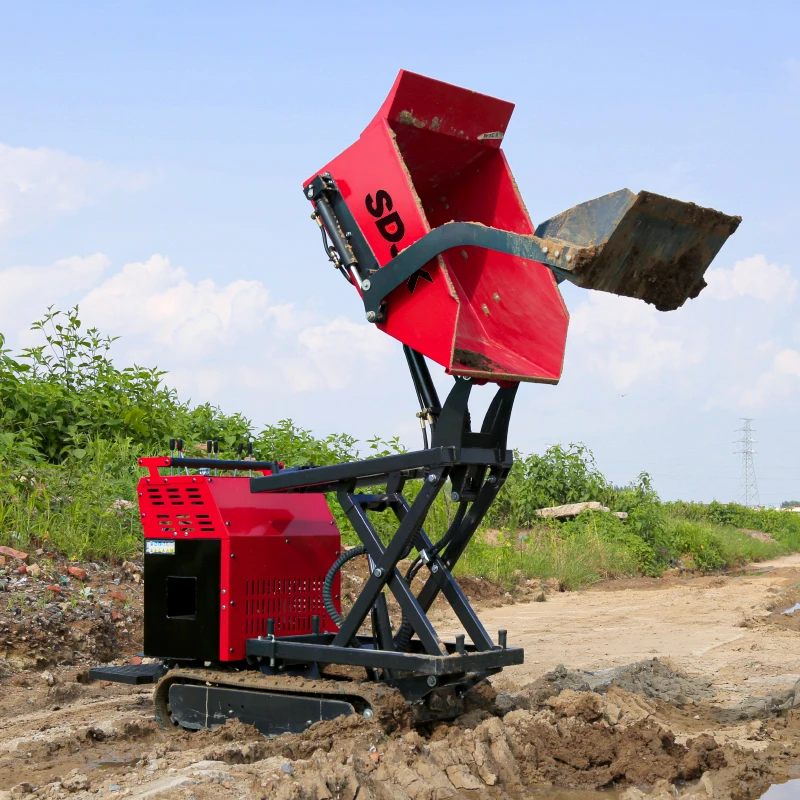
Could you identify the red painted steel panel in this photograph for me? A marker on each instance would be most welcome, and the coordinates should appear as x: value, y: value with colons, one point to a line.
x: 276, y: 550
x: 279, y: 577
x: 430, y: 156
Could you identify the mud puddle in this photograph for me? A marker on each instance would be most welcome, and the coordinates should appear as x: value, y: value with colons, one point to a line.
x: 783, y: 791
x: 112, y: 762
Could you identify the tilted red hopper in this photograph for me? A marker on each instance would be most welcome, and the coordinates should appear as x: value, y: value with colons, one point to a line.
x: 426, y: 217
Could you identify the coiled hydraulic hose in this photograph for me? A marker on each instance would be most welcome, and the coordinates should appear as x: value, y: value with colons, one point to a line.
x: 327, y: 584
x: 402, y: 639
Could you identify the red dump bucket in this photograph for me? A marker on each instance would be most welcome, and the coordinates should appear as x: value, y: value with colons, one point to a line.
x: 430, y: 156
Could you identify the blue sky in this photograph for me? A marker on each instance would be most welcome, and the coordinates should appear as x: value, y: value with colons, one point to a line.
x: 151, y: 161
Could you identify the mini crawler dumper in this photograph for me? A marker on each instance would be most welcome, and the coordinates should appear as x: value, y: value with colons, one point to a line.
x: 243, y: 558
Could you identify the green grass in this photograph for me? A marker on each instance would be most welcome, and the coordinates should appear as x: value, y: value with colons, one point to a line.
x: 67, y: 508
x: 596, y: 546
x: 545, y: 554
x: 707, y: 547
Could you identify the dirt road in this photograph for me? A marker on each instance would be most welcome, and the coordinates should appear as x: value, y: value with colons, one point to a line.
x: 721, y: 626
x: 724, y: 728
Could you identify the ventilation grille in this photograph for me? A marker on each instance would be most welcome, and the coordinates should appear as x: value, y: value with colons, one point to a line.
x: 179, y: 510
x: 291, y: 602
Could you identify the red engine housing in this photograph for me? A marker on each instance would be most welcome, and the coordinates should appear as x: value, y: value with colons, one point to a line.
x: 274, y: 551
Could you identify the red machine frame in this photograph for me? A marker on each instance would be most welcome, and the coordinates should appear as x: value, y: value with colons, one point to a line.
x: 275, y: 549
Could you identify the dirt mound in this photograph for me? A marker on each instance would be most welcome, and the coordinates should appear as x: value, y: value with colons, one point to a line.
x: 761, y: 706
x: 55, y: 612
x: 105, y: 737
x: 653, y: 679
x: 657, y: 680
x: 55, y: 637
x: 569, y: 744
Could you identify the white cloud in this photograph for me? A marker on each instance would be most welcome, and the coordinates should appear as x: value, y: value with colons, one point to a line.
x: 213, y: 338
x: 38, y: 184
x: 26, y: 291
x: 781, y: 380
x: 341, y: 340
x: 157, y: 303
x: 628, y: 342
x: 751, y: 277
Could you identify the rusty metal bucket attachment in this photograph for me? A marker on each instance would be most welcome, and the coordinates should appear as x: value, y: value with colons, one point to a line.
x: 639, y: 245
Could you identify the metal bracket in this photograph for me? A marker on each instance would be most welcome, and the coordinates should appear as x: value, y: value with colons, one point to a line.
x: 556, y: 255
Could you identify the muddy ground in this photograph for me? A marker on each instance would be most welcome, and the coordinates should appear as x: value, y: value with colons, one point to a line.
x: 682, y: 686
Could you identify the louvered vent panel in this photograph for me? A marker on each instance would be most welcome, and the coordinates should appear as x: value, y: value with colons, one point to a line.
x: 291, y: 602
x: 180, y: 510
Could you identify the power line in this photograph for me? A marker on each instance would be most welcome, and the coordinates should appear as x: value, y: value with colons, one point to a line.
x: 748, y: 486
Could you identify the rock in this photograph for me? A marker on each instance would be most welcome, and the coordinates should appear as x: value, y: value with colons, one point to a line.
x: 118, y: 596
x: 661, y: 790
x: 620, y: 514
x: 2, y: 561
x: 54, y: 588
x: 48, y: 678
x: 131, y: 569
x: 587, y: 706
x: 10, y: 552
x: 23, y: 570
x: 77, y: 572
x: 705, y: 782
x: 570, y: 510
x: 76, y: 783
x: 462, y: 778
x: 21, y: 789
x: 623, y: 708
x: 34, y: 570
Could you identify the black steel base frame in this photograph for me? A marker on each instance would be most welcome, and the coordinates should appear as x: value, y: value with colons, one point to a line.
x: 365, y: 652
x: 476, y: 463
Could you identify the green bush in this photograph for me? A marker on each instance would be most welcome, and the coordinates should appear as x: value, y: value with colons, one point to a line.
x: 72, y: 426
x: 560, y: 475
x: 74, y: 507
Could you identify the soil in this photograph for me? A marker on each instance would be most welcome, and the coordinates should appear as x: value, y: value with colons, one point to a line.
x: 51, y: 616
x: 678, y: 687
x: 665, y: 282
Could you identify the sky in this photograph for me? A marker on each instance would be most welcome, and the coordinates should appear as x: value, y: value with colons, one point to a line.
x: 152, y: 157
